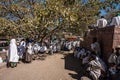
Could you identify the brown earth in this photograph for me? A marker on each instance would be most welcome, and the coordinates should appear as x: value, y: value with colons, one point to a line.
x: 54, y: 67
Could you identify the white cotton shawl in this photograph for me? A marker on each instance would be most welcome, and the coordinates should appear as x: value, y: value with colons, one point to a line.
x: 95, y: 73
x: 13, y: 53
x: 101, y: 23
x: 30, y: 48
x: 116, y: 21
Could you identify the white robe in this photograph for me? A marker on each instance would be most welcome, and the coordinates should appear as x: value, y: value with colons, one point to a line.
x: 112, y: 58
x: 36, y: 48
x: 116, y: 21
x: 95, y: 73
x: 43, y: 49
x: 101, y: 23
x: 12, y: 52
x: 30, y: 49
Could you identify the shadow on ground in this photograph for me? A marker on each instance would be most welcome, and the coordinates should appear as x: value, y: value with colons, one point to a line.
x: 73, y: 64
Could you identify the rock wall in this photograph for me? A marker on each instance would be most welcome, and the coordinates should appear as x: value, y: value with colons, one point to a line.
x: 108, y: 37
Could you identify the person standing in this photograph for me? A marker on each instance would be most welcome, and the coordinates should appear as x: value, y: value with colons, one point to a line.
x: 13, y: 57
x: 29, y: 52
x: 22, y: 48
x: 116, y: 20
x: 102, y: 22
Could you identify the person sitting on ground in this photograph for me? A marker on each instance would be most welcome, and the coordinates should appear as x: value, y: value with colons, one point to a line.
x: 85, y: 60
x: 113, y: 57
x: 95, y: 46
x: 94, y: 68
x: 81, y: 53
x: 36, y: 48
x: 76, y: 50
x: 116, y: 20
x: 43, y: 48
x: 102, y: 22
x: 112, y: 71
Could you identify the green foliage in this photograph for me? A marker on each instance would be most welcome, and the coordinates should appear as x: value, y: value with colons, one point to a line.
x: 31, y: 18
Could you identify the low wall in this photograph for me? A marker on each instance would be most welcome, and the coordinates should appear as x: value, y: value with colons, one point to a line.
x: 108, y: 37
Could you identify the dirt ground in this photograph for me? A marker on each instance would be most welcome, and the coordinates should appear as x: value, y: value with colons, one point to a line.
x: 54, y: 67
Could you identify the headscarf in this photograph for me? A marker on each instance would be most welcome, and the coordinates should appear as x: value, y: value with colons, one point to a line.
x: 13, y: 56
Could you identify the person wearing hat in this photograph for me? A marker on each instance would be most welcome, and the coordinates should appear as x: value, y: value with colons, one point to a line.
x: 102, y: 22
x: 116, y: 20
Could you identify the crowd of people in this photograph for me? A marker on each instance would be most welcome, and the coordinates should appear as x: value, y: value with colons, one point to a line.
x: 92, y: 63
x: 27, y: 50
x: 95, y: 68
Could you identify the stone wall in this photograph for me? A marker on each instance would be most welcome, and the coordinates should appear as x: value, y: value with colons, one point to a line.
x: 108, y: 37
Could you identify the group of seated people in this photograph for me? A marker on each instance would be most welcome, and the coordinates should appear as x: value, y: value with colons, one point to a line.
x: 95, y: 68
x: 28, y: 50
x: 50, y: 47
x: 69, y: 45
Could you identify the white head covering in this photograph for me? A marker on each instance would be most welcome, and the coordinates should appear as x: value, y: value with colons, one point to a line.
x: 13, y: 53
x: 30, y: 48
x: 13, y: 41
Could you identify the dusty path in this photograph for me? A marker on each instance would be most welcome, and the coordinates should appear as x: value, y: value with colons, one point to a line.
x: 55, y: 67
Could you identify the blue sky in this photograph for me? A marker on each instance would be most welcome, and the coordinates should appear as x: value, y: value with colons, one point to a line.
x: 104, y: 12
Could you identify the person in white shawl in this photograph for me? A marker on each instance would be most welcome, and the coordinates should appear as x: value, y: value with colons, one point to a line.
x: 36, y: 48
x: 13, y: 57
x: 94, y: 68
x: 116, y: 20
x: 102, y: 22
x: 43, y: 48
